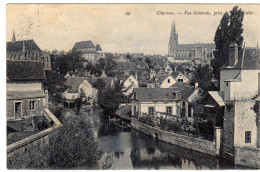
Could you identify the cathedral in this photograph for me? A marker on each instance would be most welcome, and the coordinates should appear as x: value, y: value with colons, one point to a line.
x: 27, y: 50
x: 198, y: 51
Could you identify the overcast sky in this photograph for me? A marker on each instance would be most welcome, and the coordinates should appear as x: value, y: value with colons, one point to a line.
x: 60, y: 26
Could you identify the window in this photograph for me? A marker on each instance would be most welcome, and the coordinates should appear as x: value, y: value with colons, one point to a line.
x: 183, y: 104
x: 180, y: 80
x: 151, y: 110
x: 227, y: 84
x: 134, y: 95
x: 134, y: 110
x: 248, y: 137
x: 169, y: 80
x: 169, y: 110
x: 32, y: 105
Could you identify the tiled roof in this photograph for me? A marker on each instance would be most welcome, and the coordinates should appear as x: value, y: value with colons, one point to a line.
x: 248, y: 59
x: 150, y: 94
x: 175, y: 74
x: 159, y: 78
x: 24, y: 70
x: 107, y: 80
x: 124, y: 111
x: 74, y: 83
x: 84, y: 44
x: 18, y: 45
x: 188, y: 47
x: 24, y: 94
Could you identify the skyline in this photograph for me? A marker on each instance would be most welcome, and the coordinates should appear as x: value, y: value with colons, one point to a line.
x: 145, y: 30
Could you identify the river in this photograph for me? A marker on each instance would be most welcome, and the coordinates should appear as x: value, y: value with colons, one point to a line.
x: 130, y: 149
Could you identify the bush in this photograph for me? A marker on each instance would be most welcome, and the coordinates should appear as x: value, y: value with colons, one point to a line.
x: 71, y: 146
x: 74, y: 146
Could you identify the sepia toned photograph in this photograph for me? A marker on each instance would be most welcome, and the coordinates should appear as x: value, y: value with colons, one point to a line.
x: 132, y: 86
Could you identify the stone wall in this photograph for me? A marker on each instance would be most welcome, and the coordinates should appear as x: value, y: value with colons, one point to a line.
x: 195, y: 144
x: 247, y: 157
x: 19, y: 154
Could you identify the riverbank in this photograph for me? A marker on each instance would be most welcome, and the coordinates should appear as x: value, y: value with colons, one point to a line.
x: 196, y: 144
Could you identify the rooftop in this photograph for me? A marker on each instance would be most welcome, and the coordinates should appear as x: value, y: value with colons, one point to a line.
x: 24, y: 70
x: 248, y: 59
x: 150, y: 94
x: 84, y: 44
x: 74, y: 83
x: 18, y: 45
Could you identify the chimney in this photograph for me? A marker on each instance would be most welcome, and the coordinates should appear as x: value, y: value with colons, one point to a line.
x: 233, y: 54
x: 175, y: 68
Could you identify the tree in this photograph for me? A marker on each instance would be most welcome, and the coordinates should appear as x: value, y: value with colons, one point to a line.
x: 109, y: 98
x: 99, y: 84
x: 203, y: 75
x: 68, y: 62
x: 229, y: 30
x: 54, y: 83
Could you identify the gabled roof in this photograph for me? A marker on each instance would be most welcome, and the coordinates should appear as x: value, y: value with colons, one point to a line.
x: 18, y: 45
x: 84, y: 44
x: 248, y: 59
x: 74, y: 83
x: 24, y: 70
x: 218, y: 96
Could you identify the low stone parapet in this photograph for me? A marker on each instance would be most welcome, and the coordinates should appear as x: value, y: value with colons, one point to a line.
x: 196, y: 144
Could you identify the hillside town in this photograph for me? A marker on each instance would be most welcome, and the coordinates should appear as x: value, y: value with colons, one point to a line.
x: 185, y: 103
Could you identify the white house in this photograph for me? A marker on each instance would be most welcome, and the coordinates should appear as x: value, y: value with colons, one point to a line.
x: 76, y: 86
x: 171, y: 101
x: 129, y: 83
x: 240, y: 79
x: 161, y: 81
x: 179, y: 77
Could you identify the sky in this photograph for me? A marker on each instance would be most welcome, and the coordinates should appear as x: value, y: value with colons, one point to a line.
x: 145, y: 30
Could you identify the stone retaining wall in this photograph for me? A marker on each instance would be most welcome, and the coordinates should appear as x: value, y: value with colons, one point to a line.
x: 19, y: 153
x: 247, y: 157
x: 196, y: 144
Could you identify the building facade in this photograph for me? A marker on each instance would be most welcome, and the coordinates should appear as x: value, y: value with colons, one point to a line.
x: 201, y: 51
x: 27, y: 50
x: 89, y: 51
x: 25, y: 94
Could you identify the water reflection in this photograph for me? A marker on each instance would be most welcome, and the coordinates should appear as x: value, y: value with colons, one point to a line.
x: 134, y: 150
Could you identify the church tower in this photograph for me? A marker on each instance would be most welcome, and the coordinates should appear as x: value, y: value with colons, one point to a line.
x: 13, y: 38
x: 173, y: 42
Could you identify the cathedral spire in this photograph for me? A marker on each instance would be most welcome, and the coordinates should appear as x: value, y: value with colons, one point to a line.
x: 13, y: 38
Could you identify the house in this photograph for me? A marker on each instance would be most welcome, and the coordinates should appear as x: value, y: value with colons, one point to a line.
x: 27, y: 50
x: 89, y: 51
x: 240, y: 79
x: 161, y: 81
x: 169, y: 68
x: 179, y: 77
x: 77, y: 86
x: 26, y: 96
x: 170, y: 101
x: 129, y: 83
x: 240, y: 86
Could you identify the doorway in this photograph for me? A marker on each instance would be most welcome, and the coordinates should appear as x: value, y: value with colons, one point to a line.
x: 18, y: 110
